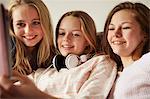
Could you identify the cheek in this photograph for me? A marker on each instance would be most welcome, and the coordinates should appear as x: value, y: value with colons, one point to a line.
x: 82, y: 46
x: 17, y: 32
x: 134, y: 41
x: 42, y: 34
x: 108, y: 38
x: 132, y: 37
x: 58, y: 42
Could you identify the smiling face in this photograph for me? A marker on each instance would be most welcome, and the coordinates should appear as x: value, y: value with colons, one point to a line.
x: 26, y: 25
x: 124, y: 33
x: 70, y: 37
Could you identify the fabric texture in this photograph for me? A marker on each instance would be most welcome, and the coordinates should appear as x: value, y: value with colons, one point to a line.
x: 134, y: 82
x: 91, y: 80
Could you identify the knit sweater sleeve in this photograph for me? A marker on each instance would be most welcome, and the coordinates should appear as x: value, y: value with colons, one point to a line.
x: 100, y: 80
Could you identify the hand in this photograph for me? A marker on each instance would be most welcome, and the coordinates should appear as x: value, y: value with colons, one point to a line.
x: 26, y: 88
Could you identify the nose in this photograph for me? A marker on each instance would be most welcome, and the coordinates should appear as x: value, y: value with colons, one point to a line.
x: 28, y: 29
x: 118, y: 32
x: 67, y: 37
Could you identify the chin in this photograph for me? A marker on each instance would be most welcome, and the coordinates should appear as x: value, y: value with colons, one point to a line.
x: 30, y: 45
x: 64, y: 54
x: 116, y: 52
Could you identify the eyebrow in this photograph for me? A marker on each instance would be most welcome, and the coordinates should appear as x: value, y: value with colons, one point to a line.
x: 129, y: 22
x: 72, y: 30
x: 36, y: 19
x: 19, y: 21
x: 24, y: 21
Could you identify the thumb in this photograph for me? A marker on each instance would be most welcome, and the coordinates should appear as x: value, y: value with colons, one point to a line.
x: 19, y: 77
x: 5, y: 82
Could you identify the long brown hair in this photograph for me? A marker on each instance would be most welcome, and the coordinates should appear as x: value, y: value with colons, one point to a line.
x: 88, y: 26
x: 142, y: 16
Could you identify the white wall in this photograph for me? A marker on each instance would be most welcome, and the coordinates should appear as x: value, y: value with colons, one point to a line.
x: 97, y: 9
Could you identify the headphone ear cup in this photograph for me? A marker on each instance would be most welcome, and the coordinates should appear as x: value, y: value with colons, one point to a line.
x: 59, y: 62
x: 83, y: 58
x: 72, y: 61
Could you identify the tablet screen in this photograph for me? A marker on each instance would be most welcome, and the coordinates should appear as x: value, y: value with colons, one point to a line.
x: 4, y: 55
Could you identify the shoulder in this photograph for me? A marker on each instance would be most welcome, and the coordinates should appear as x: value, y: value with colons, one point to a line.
x: 103, y: 63
x: 135, y: 80
x: 140, y: 66
x: 104, y: 60
x: 138, y: 70
x: 144, y: 62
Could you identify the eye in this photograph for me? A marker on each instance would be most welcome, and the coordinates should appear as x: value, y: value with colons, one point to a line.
x: 61, y: 33
x: 126, y: 27
x: 36, y: 22
x: 76, y: 33
x: 110, y: 29
x: 20, y: 24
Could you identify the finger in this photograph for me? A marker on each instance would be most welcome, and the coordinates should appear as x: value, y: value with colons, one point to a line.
x: 21, y: 78
x: 4, y: 94
x: 5, y: 83
x: 15, y: 73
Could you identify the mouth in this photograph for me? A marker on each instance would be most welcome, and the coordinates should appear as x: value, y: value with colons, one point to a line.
x: 118, y: 42
x: 29, y: 37
x: 67, y: 46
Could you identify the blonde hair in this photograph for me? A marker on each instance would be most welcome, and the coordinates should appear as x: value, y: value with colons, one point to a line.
x: 46, y: 46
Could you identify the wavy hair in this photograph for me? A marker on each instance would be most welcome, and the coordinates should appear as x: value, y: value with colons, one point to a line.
x: 142, y: 16
x: 46, y: 47
x: 88, y: 28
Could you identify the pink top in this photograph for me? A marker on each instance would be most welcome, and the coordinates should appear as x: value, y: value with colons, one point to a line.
x: 92, y: 79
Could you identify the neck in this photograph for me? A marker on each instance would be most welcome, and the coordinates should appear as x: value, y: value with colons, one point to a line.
x: 30, y: 49
x: 127, y: 61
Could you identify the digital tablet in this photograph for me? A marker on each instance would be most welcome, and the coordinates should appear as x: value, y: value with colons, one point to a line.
x: 4, y: 54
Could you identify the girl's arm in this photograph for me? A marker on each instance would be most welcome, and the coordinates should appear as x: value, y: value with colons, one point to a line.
x: 25, y: 89
x: 100, y: 80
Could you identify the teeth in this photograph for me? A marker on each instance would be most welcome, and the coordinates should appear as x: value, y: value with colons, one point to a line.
x: 29, y: 37
x: 117, y: 42
x: 67, y: 46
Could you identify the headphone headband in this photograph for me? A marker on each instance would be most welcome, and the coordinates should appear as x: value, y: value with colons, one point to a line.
x: 70, y: 61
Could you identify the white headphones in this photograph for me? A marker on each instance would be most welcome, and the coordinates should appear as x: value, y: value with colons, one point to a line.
x: 69, y: 61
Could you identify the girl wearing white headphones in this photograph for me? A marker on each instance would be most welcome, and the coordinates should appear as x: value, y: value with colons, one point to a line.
x: 77, y: 74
